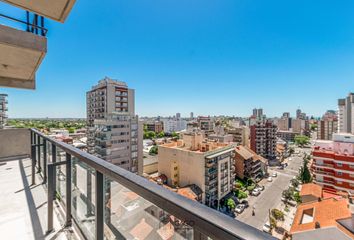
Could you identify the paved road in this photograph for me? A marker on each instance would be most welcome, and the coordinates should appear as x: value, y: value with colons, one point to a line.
x: 271, y: 196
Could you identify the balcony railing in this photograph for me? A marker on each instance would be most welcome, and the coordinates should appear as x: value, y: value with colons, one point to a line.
x: 108, y: 202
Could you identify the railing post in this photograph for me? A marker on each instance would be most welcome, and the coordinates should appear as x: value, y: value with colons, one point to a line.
x: 51, y: 191
x: 88, y: 192
x: 68, y: 190
x: 44, y: 161
x: 39, y: 153
x: 33, y: 157
x: 99, y: 206
x: 54, y: 160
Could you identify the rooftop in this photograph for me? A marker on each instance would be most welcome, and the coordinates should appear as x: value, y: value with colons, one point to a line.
x: 311, y: 189
x: 324, y: 213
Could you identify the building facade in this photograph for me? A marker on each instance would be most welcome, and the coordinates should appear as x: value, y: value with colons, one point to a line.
x: 195, y: 160
x: 346, y: 114
x: 327, y: 126
x: 171, y: 125
x: 154, y: 126
x: 3, y: 110
x: 114, y: 131
x: 241, y: 135
x: 248, y: 164
x: 333, y: 163
x: 264, y: 139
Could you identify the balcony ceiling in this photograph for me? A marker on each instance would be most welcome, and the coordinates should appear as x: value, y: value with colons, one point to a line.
x: 21, y: 54
x: 57, y: 10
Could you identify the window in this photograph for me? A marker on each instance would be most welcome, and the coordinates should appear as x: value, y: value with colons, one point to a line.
x: 339, y: 173
x: 339, y: 165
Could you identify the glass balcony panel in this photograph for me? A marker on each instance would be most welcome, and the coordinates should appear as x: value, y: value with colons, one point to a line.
x: 130, y: 216
x: 61, y: 177
x: 83, y: 196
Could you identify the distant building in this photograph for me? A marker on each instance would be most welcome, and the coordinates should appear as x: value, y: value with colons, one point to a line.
x: 206, y: 124
x: 258, y: 113
x: 192, y: 116
x: 154, y: 126
x: 327, y: 126
x: 3, y: 110
x: 171, y: 125
x: 195, y: 160
x: 345, y: 114
x: 264, y: 139
x: 178, y: 116
x: 249, y: 164
x: 241, y: 135
x: 287, y: 136
x: 114, y: 131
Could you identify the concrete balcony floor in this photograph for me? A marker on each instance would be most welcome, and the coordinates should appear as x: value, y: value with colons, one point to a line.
x: 23, y: 208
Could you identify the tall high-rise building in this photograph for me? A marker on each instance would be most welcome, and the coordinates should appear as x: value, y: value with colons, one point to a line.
x: 114, y: 131
x: 178, y: 116
x: 258, y: 113
x: 3, y: 110
x: 192, y: 115
x: 298, y: 113
x: 346, y: 114
x: 264, y: 138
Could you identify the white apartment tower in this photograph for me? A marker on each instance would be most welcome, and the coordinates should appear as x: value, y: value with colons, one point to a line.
x: 3, y: 110
x: 346, y: 114
x: 114, y: 131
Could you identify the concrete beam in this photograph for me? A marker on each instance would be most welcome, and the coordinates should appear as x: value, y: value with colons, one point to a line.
x: 57, y: 10
x: 21, y: 55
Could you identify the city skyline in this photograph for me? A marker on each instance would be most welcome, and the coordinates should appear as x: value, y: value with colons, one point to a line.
x: 273, y: 55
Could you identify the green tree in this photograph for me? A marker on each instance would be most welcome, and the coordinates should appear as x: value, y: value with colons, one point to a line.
x: 175, y: 135
x: 302, y: 140
x: 154, y: 150
x: 160, y: 135
x: 288, y: 194
x: 231, y: 204
x: 297, y: 197
x: 278, y: 215
x: 295, y: 182
x: 241, y: 194
x: 305, y: 175
x: 71, y: 130
x: 149, y: 135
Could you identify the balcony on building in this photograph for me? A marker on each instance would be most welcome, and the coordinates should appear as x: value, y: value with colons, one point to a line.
x: 57, y: 10
x: 52, y: 190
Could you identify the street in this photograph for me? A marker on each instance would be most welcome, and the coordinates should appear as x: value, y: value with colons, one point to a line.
x: 271, y: 197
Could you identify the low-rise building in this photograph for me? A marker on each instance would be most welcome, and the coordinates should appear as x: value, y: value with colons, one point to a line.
x: 195, y: 160
x: 288, y: 136
x: 327, y: 219
x: 248, y: 164
x: 154, y: 126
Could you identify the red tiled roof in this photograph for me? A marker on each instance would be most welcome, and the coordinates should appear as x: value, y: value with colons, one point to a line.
x: 311, y: 189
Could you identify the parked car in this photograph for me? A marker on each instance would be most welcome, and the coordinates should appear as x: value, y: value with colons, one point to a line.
x: 260, y: 188
x: 245, y: 203
x: 255, y: 192
x: 240, y: 208
x: 274, y: 175
x: 266, y: 227
x: 270, y: 179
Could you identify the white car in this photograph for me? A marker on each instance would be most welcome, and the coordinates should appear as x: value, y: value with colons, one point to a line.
x: 274, y: 175
x: 270, y: 179
x: 256, y: 192
x: 239, y: 208
x: 290, y: 159
x: 266, y: 227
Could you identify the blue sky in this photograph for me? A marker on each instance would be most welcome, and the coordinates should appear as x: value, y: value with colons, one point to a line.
x: 206, y: 56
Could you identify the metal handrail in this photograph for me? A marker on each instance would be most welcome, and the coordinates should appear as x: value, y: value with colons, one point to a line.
x: 28, y: 24
x: 206, y: 221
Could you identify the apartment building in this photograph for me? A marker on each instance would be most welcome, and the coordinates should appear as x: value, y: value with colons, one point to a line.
x: 174, y: 124
x: 327, y: 126
x: 3, y: 110
x: 205, y: 123
x: 241, y: 135
x: 114, y: 131
x: 249, y: 164
x: 288, y: 136
x: 346, y: 114
x: 154, y: 126
x: 258, y: 113
x: 333, y: 163
x: 264, y: 138
x: 196, y: 160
